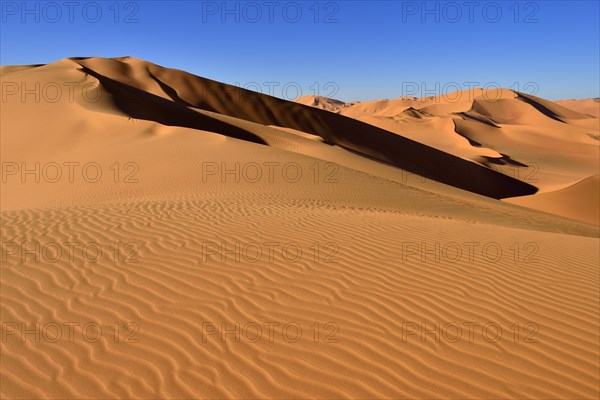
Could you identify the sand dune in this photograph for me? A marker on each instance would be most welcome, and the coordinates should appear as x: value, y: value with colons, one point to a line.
x: 204, y: 94
x: 219, y: 212
x: 321, y: 102
x: 579, y: 201
x: 506, y: 131
x: 584, y: 106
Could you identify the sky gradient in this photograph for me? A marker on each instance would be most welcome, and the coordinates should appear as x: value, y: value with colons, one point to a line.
x: 343, y: 49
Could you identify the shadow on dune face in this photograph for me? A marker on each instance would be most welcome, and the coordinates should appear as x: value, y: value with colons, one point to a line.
x: 189, y: 90
x: 170, y: 91
x: 143, y: 105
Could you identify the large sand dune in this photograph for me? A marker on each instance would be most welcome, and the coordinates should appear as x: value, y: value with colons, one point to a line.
x: 375, y: 262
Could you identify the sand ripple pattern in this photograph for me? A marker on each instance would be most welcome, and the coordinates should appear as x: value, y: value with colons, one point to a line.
x: 363, y: 304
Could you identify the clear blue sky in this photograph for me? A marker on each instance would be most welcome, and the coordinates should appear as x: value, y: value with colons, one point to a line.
x: 367, y: 49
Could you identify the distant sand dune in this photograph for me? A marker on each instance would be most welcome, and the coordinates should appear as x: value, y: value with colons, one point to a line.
x: 509, y: 132
x: 585, y: 106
